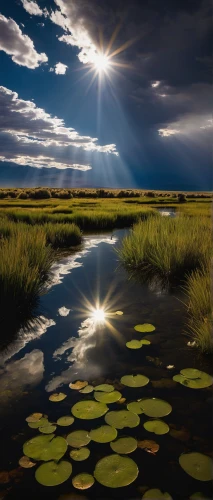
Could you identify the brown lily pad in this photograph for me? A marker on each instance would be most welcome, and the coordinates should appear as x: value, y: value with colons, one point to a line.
x: 4, y: 477
x: 80, y: 384
x: 26, y: 463
x: 149, y: 446
x: 34, y: 417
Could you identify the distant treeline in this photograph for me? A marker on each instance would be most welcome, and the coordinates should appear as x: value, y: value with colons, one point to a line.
x: 45, y: 193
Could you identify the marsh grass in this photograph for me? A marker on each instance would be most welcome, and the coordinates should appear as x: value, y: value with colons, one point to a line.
x: 62, y: 235
x: 199, y: 305
x: 167, y: 248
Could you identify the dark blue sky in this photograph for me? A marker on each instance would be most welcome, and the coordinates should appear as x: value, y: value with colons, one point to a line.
x: 149, y: 109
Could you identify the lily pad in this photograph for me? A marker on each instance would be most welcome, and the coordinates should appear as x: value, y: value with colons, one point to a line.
x: 87, y: 410
x: 34, y: 417
x: 124, y: 445
x: 45, y: 447
x: 57, y: 396
x: 65, y: 421
x: 103, y: 434
x: 80, y: 455
x: 149, y: 446
x: 107, y: 397
x: 26, y: 463
x: 78, y: 438
x: 52, y: 473
x: 194, y: 379
x: 38, y: 423
x: 83, y: 481
x: 104, y: 388
x: 153, y: 407
x: 119, y: 313
x: 134, y: 344
x: 87, y: 389
x: 47, y: 429
x: 122, y: 418
x: 146, y: 327
x: 115, y: 471
x: 80, y: 384
x: 134, y: 380
x: 157, y: 426
x: 121, y: 401
x: 135, y: 407
x: 197, y: 465
x: 156, y: 494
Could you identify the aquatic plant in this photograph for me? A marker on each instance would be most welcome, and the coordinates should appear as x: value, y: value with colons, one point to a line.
x: 65, y: 421
x: 83, y: 481
x: 197, y: 465
x: 124, y: 445
x: 103, y: 434
x: 104, y: 387
x: 107, y: 397
x: 122, y: 418
x: 47, y: 447
x: 52, y: 473
x: 134, y: 380
x: 115, y: 471
x: 80, y: 455
x: 152, y: 407
x: 79, y: 438
x: 57, y: 396
x: 155, y: 494
x: 89, y: 409
x: 157, y: 426
x: 193, y: 378
x: 145, y: 327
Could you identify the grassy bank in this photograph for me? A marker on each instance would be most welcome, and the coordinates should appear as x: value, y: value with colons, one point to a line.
x: 199, y: 304
x: 167, y: 248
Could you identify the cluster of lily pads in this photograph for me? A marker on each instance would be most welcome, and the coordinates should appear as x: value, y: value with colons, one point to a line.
x: 144, y: 328
x: 116, y: 469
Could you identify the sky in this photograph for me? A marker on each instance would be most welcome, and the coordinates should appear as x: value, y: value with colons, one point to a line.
x: 106, y: 93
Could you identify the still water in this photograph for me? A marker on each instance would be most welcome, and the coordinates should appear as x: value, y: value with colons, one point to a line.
x: 68, y: 344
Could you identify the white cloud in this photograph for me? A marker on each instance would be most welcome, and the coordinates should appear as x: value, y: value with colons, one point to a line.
x: 58, y: 18
x: 30, y: 136
x: 167, y: 132
x: 187, y: 125
x: 32, y: 8
x: 19, y: 46
x: 63, y: 311
x: 60, y: 68
x: 155, y: 84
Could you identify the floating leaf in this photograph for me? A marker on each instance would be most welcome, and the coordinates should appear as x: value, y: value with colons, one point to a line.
x: 121, y: 401
x: 26, y: 462
x: 47, y: 429
x: 38, y: 423
x: 124, y: 445
x: 80, y: 384
x: 119, y: 313
x: 87, y: 389
x: 65, y: 421
x: 193, y: 378
x: 135, y: 407
x: 156, y: 494
x: 170, y: 367
x: 146, y: 327
x: 45, y: 447
x: 115, y: 471
x: 83, y: 481
x: 103, y: 434
x: 149, y: 446
x: 34, y: 417
x: 134, y: 380
x: 134, y: 344
x: 80, y: 455
x: 145, y: 342
x: 122, y: 418
x: 52, y: 473
x: 78, y: 438
x: 152, y: 407
x: 107, y: 397
x: 197, y: 465
x: 157, y: 426
x: 88, y: 410
x: 57, y: 396
x: 104, y: 388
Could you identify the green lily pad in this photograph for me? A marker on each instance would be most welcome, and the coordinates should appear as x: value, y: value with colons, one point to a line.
x: 45, y: 447
x: 57, y: 396
x: 115, y: 471
x: 103, y: 434
x: 156, y: 494
x: 157, y: 426
x: 80, y: 384
x: 34, y: 417
x: 135, y: 407
x: 38, y: 423
x: 87, y: 389
x: 80, y: 455
x: 134, y: 344
x: 145, y: 342
x: 153, y: 407
x: 146, y: 327
x: 65, y: 421
x: 78, y: 438
x: 87, y: 410
x: 107, y: 397
x: 52, y: 473
x: 122, y: 418
x: 124, y: 445
x: 104, y: 388
x: 47, y: 429
x: 83, y: 481
x: 194, y: 379
x: 197, y: 465
x: 134, y: 380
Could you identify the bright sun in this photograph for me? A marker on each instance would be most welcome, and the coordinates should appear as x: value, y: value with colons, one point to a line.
x: 101, y: 62
x: 99, y: 315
